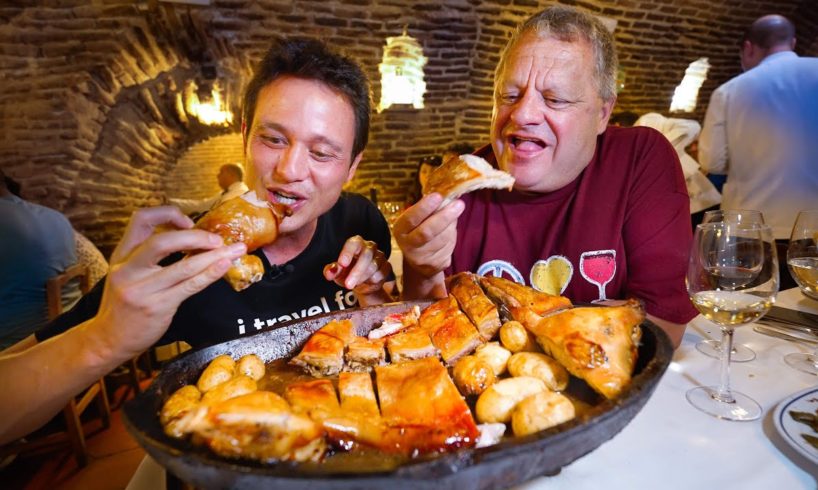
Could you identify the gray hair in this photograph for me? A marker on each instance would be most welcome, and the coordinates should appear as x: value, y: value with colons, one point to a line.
x: 568, y: 25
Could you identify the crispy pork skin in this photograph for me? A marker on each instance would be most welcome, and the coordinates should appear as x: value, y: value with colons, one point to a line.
x: 465, y: 287
x: 450, y: 329
x: 423, y: 409
x: 514, y: 296
x: 259, y: 425
x: 357, y: 394
x: 409, y: 345
x: 596, y: 344
x: 323, y: 353
x: 363, y: 354
x: 316, y: 399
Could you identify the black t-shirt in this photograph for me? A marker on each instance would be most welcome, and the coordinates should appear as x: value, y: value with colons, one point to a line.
x: 287, y: 292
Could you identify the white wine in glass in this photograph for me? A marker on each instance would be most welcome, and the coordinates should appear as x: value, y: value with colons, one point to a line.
x: 732, y: 279
x: 712, y: 347
x: 802, y: 260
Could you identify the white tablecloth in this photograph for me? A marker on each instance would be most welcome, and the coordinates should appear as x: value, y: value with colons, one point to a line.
x: 670, y: 444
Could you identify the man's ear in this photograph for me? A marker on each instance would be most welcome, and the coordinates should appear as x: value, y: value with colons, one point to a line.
x: 354, y: 166
x: 605, y: 114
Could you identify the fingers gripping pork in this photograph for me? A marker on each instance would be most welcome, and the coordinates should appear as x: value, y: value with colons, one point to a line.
x: 251, y: 221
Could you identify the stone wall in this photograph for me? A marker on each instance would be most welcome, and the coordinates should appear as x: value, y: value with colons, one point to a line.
x: 88, y: 119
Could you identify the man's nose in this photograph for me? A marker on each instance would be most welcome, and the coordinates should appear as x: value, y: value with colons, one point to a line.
x: 292, y: 164
x: 529, y: 109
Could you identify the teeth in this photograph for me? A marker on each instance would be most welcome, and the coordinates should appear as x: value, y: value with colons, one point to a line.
x: 284, y: 199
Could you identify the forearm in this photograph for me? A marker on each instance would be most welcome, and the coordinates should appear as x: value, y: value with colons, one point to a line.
x: 674, y: 330
x: 418, y: 286
x: 37, y: 382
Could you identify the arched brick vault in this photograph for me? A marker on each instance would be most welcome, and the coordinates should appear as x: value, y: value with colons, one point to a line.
x: 87, y: 117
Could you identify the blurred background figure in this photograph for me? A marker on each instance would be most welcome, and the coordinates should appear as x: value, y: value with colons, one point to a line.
x: 760, y: 128
x: 682, y: 133
x: 37, y: 244
x: 425, y: 167
x: 231, y: 180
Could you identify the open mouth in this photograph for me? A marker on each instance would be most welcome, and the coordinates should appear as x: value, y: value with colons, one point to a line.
x: 526, y: 143
x: 284, y: 198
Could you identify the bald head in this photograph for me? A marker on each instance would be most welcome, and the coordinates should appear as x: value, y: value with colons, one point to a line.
x: 771, y: 31
x: 767, y: 35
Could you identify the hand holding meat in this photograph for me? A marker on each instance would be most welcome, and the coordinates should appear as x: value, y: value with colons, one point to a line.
x: 247, y: 220
x: 363, y: 268
x: 140, y: 296
x: 427, y: 235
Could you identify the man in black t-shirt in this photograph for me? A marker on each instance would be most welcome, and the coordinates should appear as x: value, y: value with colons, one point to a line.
x: 304, y: 129
x: 305, y: 125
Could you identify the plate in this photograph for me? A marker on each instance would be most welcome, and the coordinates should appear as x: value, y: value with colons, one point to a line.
x: 793, y: 431
x: 511, y: 462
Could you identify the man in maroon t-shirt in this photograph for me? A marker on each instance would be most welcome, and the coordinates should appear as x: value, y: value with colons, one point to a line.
x: 596, y: 213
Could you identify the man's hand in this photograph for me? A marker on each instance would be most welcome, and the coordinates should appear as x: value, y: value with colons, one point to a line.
x: 363, y: 268
x: 140, y: 296
x: 427, y: 237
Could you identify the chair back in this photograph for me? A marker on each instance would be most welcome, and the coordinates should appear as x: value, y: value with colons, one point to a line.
x: 54, y: 286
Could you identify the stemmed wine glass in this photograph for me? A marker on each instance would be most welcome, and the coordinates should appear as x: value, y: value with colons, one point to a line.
x: 712, y: 347
x: 732, y: 279
x: 802, y: 260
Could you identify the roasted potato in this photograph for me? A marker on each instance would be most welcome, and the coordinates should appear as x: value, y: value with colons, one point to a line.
x: 240, y: 385
x: 251, y: 366
x: 472, y: 375
x: 494, y: 354
x: 516, y: 338
x: 539, y: 366
x: 498, y: 401
x: 541, y: 411
x: 176, y: 406
x: 219, y: 370
x: 225, y: 361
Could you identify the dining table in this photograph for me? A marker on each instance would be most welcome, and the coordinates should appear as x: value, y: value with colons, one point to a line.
x: 670, y: 444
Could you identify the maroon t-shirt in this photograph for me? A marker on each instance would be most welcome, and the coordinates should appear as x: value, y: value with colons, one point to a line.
x: 620, y: 230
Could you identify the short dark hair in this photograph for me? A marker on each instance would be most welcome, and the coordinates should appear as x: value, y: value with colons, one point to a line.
x: 770, y: 31
x: 236, y: 169
x: 460, y: 148
x: 313, y: 60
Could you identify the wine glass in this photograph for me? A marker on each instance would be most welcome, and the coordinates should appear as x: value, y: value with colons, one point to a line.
x: 712, y: 347
x: 598, y: 268
x: 732, y: 279
x: 802, y: 260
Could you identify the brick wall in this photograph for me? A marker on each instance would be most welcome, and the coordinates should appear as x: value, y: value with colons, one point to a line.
x: 88, y: 119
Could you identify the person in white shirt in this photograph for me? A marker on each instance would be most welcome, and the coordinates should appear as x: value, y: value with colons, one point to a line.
x: 682, y: 133
x: 760, y: 128
x: 231, y: 180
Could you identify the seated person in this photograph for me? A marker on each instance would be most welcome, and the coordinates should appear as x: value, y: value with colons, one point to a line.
x: 682, y: 133
x: 305, y: 127
x: 427, y: 164
x: 231, y: 180
x: 37, y: 244
x: 425, y: 167
x: 89, y: 256
x: 596, y: 212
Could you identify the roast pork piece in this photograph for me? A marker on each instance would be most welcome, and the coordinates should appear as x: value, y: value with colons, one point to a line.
x: 249, y: 220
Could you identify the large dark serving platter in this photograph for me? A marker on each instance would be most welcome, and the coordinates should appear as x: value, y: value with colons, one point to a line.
x: 513, y: 461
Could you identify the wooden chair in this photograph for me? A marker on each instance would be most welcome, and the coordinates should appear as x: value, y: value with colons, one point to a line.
x: 74, y: 433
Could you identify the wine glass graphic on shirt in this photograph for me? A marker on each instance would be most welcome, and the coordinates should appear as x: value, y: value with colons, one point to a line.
x: 598, y: 267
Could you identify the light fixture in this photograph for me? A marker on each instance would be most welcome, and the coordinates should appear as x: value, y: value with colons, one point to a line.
x: 402, y: 72
x: 685, y: 95
x: 209, y: 107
